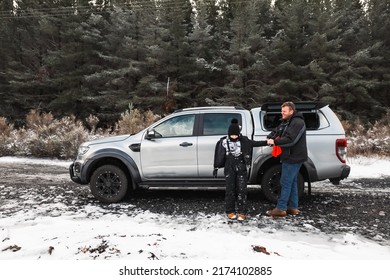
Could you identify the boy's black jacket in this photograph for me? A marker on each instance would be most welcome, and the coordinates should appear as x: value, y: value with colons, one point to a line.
x: 246, y: 150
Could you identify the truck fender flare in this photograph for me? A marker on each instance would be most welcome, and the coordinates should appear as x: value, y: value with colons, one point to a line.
x: 258, y: 164
x: 311, y: 171
x: 263, y: 162
x: 111, y: 153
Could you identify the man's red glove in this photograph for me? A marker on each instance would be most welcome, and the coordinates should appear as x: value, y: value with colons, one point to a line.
x: 276, y: 151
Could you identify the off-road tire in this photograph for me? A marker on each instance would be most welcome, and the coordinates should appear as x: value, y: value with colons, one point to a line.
x: 109, y: 184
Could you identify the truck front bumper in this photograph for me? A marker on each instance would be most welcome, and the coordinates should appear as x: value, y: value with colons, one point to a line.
x: 74, y: 178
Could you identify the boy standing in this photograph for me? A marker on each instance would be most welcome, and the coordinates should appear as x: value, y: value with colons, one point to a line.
x: 238, y: 151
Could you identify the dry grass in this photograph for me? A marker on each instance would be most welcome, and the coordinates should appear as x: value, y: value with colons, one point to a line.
x: 44, y: 136
x: 370, y: 139
x: 6, y: 130
x: 133, y: 121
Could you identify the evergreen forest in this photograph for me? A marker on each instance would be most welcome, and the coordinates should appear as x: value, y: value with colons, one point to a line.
x: 83, y: 57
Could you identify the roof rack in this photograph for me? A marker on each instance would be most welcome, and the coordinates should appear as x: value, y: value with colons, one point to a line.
x: 209, y: 108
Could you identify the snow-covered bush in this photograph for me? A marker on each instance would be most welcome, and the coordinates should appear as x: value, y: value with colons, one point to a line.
x: 133, y: 121
x: 5, y: 137
x: 49, y: 137
x: 72, y: 133
x: 45, y: 136
x: 370, y: 140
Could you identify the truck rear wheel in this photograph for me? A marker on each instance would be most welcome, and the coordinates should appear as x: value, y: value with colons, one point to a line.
x: 109, y: 184
x: 270, y: 183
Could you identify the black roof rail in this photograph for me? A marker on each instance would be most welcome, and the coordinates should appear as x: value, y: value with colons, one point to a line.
x: 209, y: 108
x: 299, y: 106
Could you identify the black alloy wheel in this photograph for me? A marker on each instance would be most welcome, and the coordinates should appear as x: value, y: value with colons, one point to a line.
x: 109, y: 184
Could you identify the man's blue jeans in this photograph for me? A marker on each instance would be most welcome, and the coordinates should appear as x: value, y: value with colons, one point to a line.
x: 288, y: 197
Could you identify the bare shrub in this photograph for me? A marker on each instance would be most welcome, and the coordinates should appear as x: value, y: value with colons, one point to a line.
x: 48, y: 137
x: 348, y: 126
x: 45, y: 136
x: 5, y: 137
x: 5, y: 127
x: 20, y: 140
x: 371, y: 140
x: 92, y: 121
x: 44, y: 146
x: 133, y: 121
x: 42, y: 141
x: 356, y: 143
x: 72, y: 134
x: 36, y: 120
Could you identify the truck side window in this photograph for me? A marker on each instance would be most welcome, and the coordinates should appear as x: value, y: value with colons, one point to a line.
x: 273, y: 119
x: 177, y: 126
x: 311, y: 120
x: 218, y: 123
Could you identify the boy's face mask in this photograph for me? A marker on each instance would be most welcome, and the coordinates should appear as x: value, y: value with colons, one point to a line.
x: 233, y: 138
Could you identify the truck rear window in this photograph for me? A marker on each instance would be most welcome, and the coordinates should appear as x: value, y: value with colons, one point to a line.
x: 273, y: 119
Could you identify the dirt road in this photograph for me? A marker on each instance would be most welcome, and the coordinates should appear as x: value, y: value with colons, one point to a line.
x: 357, y: 206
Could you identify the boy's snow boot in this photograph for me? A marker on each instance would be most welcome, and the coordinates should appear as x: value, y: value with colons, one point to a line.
x: 232, y: 216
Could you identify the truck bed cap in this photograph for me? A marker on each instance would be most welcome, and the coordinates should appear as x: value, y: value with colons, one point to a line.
x: 300, y: 106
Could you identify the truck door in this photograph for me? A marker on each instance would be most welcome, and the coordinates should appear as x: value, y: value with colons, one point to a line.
x: 172, y: 151
x: 213, y: 126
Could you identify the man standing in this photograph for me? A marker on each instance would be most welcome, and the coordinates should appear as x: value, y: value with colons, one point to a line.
x: 292, y: 141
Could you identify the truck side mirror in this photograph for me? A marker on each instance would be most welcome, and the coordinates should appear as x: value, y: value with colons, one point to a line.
x: 150, y: 134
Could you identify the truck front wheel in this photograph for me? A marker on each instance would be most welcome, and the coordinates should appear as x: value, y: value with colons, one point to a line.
x: 109, y: 184
x: 270, y: 183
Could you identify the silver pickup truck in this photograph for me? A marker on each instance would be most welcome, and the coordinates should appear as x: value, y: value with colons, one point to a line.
x: 178, y: 151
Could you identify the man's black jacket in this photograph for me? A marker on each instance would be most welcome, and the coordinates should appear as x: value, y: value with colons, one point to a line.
x: 292, y: 139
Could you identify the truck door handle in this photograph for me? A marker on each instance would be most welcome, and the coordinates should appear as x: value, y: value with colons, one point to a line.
x: 185, y: 144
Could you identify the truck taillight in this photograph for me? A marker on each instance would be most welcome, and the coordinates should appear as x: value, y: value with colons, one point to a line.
x: 341, y: 149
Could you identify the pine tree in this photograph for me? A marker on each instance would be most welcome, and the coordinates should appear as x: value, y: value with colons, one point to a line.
x: 245, y: 45
x: 174, y: 27
x: 204, y: 52
x: 95, y: 57
x: 379, y: 19
x: 6, y: 30
x: 288, y: 54
x: 352, y: 23
x: 24, y: 67
x: 119, y: 54
x: 353, y: 76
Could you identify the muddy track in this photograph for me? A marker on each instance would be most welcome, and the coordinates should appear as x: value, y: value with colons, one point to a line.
x: 358, y: 206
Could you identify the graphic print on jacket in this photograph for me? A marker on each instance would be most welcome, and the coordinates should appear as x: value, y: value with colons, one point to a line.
x: 231, y: 147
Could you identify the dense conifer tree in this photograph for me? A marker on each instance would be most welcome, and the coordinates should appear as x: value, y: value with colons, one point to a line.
x: 82, y: 57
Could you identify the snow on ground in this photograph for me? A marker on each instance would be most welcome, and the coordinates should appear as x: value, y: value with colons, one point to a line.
x: 363, y: 167
x: 94, y: 233
x: 40, y: 161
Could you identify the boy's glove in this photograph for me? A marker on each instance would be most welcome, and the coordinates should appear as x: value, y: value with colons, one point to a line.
x: 215, y: 172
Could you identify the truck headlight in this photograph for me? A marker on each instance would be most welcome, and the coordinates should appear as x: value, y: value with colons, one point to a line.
x: 83, y: 150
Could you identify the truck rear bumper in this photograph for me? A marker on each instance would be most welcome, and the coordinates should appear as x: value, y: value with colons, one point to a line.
x: 346, y: 169
x: 345, y: 172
